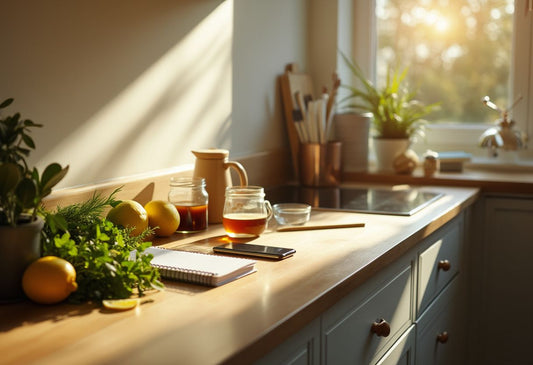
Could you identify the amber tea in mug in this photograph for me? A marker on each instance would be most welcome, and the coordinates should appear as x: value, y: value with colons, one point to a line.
x: 246, y: 212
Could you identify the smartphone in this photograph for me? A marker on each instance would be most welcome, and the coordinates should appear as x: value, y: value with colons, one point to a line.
x: 248, y: 249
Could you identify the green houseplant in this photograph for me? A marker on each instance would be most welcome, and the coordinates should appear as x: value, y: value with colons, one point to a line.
x: 396, y: 115
x: 21, y: 191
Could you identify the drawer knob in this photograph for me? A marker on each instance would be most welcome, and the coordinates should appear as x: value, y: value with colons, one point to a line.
x: 381, y: 328
x: 442, y: 337
x: 444, y: 265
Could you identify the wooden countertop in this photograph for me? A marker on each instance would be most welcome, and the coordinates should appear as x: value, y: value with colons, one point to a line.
x: 234, y: 323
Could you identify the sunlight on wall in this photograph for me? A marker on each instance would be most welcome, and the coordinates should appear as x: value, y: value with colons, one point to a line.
x: 181, y: 102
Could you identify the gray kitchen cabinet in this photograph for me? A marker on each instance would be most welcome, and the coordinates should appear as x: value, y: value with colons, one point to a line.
x: 402, y: 352
x: 439, y: 260
x: 441, y: 306
x: 506, y: 300
x: 362, y: 326
x: 303, y: 348
x: 396, y: 317
x: 440, y: 331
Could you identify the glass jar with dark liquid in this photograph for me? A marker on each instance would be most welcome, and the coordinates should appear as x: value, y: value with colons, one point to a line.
x: 190, y: 198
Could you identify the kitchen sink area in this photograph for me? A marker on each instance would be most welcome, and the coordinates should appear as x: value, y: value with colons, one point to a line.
x: 403, y: 201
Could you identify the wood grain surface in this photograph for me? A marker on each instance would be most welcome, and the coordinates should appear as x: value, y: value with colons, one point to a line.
x: 237, y: 322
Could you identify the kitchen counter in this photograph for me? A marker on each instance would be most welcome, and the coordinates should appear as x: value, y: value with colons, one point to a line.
x: 237, y: 322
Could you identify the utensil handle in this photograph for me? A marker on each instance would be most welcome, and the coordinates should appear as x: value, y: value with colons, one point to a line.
x: 325, y: 226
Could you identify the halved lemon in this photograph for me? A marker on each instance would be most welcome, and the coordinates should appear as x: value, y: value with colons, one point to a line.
x: 120, y: 304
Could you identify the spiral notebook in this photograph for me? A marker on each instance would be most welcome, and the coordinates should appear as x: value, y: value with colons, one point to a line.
x: 199, y: 268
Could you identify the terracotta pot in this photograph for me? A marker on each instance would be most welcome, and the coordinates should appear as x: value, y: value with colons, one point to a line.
x: 19, y: 246
x: 387, y: 149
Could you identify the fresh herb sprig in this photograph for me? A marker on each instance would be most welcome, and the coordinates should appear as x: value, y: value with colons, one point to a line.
x: 109, y: 263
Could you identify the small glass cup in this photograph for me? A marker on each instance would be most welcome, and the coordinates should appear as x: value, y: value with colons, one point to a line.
x: 246, y: 212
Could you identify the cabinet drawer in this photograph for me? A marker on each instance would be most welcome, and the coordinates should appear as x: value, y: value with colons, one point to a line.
x: 438, y: 263
x: 302, y: 348
x: 347, y: 327
x: 441, y: 330
x: 402, y: 352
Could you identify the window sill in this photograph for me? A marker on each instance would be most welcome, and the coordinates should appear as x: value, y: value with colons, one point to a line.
x: 500, y: 164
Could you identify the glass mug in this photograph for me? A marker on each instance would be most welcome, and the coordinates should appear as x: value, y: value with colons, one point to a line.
x: 246, y: 212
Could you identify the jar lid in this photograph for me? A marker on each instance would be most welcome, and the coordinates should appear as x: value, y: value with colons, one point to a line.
x: 185, y: 181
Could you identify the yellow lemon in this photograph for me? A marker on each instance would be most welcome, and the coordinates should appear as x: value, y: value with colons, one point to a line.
x: 164, y: 216
x: 120, y: 304
x: 129, y: 214
x: 49, y: 280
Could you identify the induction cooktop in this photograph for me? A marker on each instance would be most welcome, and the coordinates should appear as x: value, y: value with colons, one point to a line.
x: 405, y: 202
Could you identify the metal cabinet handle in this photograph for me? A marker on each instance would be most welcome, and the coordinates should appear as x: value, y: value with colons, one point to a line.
x: 442, y: 337
x: 381, y: 328
x: 444, y: 265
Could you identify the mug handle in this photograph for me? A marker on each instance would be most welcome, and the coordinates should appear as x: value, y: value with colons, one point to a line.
x: 269, y: 209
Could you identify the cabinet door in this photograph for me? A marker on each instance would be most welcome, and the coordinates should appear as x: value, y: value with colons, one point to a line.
x: 347, y: 336
x: 303, y: 348
x: 439, y: 262
x: 441, y: 330
x: 507, y: 298
x: 402, y: 352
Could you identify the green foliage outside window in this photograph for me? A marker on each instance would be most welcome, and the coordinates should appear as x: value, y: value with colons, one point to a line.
x: 457, y: 52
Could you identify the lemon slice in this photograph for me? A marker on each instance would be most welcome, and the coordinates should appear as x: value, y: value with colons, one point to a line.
x: 120, y: 304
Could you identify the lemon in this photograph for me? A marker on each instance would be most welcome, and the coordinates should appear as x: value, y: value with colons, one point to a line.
x: 129, y: 214
x: 120, y: 304
x: 163, y: 215
x: 49, y: 280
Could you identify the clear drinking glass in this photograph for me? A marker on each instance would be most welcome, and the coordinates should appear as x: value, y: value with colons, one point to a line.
x: 246, y: 212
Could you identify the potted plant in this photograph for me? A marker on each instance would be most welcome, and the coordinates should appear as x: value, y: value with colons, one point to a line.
x: 21, y: 191
x: 396, y: 115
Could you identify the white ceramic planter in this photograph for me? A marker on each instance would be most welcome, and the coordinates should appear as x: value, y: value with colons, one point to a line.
x: 352, y: 131
x: 387, y: 150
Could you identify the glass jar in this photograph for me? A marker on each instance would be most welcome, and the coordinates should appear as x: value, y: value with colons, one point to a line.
x: 190, y: 198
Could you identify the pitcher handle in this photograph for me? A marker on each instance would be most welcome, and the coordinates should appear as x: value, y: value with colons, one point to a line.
x: 240, y: 170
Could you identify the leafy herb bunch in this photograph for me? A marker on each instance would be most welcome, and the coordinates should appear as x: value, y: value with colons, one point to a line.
x: 396, y: 112
x: 109, y: 263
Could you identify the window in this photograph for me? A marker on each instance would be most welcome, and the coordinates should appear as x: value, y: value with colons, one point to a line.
x: 458, y: 51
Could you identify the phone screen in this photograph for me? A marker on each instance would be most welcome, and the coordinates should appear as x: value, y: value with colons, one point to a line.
x: 249, y: 249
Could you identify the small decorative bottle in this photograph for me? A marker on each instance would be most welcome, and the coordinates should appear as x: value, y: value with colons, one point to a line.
x: 431, y: 163
x: 191, y: 199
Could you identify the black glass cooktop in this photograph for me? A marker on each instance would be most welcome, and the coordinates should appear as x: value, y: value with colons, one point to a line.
x: 404, y: 202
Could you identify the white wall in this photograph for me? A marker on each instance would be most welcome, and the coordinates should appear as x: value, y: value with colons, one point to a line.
x: 267, y: 36
x: 131, y: 86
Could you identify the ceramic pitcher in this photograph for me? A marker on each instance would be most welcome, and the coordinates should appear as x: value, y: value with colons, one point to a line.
x: 214, y: 167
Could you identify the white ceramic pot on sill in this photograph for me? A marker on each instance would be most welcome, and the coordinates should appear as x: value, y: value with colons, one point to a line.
x: 387, y: 149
